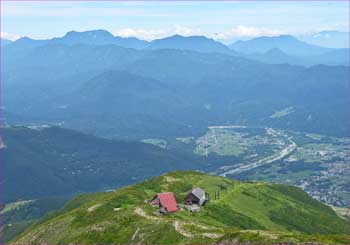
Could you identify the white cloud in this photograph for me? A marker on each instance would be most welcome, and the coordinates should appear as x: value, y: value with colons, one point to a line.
x: 151, y: 34
x: 187, y: 31
x: 9, y: 36
x: 247, y: 31
x: 236, y: 32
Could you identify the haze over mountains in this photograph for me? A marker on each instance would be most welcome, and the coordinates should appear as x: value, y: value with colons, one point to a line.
x: 99, y: 37
x: 49, y: 161
x: 332, y: 39
x: 171, y: 85
x: 5, y: 42
x: 115, y: 92
x: 177, y: 86
x: 260, y: 45
x: 195, y: 43
x: 286, y: 43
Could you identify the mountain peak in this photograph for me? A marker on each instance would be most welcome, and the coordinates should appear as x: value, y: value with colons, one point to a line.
x: 283, y: 37
x: 275, y: 52
x: 91, y: 34
x: 24, y: 39
x: 286, y: 43
x: 286, y: 36
x: 5, y: 42
x: 177, y: 36
x: 27, y: 41
x: 99, y: 37
x: 194, y: 43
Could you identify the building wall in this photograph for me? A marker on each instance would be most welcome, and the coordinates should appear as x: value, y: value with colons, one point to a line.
x: 191, y: 198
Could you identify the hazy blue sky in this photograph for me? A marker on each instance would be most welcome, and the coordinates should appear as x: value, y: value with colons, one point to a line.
x: 149, y: 20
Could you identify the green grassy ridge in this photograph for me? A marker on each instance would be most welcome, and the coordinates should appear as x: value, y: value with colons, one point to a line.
x: 10, y: 231
x: 246, y: 212
x: 17, y: 216
x: 30, y: 209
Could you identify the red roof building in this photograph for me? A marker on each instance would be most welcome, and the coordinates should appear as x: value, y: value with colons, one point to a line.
x: 165, y: 200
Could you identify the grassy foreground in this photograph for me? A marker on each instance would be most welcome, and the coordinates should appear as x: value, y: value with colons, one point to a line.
x: 253, y: 212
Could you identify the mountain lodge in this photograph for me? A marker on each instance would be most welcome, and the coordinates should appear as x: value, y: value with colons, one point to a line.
x: 196, y: 196
x: 166, y: 202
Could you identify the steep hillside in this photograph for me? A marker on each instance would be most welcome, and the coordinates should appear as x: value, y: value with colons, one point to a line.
x: 52, y: 161
x: 253, y: 212
x: 17, y: 216
x: 117, y: 92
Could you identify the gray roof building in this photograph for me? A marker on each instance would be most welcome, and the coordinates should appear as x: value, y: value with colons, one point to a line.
x: 197, y: 195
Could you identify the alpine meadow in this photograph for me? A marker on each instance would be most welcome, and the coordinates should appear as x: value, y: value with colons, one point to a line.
x: 177, y: 122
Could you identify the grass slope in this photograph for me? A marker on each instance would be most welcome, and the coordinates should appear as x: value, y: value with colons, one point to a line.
x: 18, y: 216
x: 252, y: 212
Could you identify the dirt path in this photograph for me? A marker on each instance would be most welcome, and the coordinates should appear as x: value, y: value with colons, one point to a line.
x: 92, y: 208
x: 142, y: 213
x: 135, y: 234
x: 179, y: 226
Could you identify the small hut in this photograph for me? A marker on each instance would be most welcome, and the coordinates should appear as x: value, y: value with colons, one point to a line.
x: 196, y: 196
x: 166, y: 202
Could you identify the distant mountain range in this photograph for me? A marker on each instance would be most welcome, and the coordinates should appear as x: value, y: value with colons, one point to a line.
x: 331, y: 39
x: 286, y: 43
x: 108, y: 93
x: 288, y: 49
x: 5, y: 42
x: 99, y: 37
x: 96, y: 37
x: 194, y: 43
x: 102, y: 37
x: 258, y: 48
x: 277, y: 56
x: 113, y: 91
